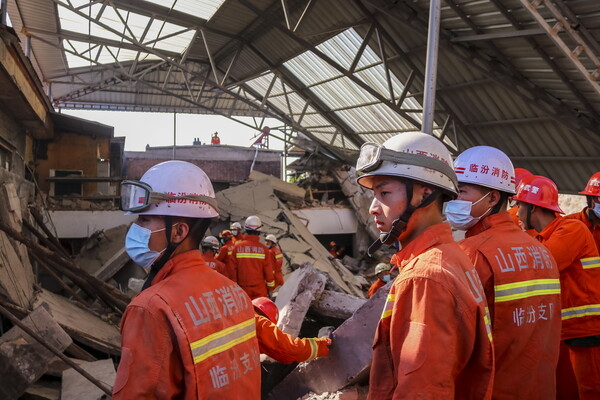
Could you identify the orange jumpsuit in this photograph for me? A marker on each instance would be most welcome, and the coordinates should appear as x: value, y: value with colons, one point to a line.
x: 253, y: 267
x: 224, y: 256
x: 191, y: 335
x: 575, y: 252
x: 375, y: 287
x: 433, y: 340
x: 214, y: 263
x: 285, y: 348
x: 277, y: 260
x: 583, y: 217
x: 522, y: 287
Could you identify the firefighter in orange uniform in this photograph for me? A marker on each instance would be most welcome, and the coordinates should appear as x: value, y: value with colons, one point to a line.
x: 210, y: 246
x: 520, y: 173
x: 590, y: 215
x: 573, y: 248
x: 519, y: 276
x: 277, y: 258
x: 252, y: 262
x: 433, y: 340
x: 225, y: 252
x: 382, y: 271
x: 190, y: 333
x: 280, y: 345
x: 236, y: 230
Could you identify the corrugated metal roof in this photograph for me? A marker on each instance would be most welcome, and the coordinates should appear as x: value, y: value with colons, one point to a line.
x: 502, y: 81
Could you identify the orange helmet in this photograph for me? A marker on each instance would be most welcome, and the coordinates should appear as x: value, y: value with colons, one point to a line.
x: 266, y: 307
x: 520, y: 173
x: 593, y: 186
x: 226, y: 234
x: 539, y: 191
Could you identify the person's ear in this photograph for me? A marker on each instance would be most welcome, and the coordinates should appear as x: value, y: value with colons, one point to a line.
x: 179, y: 232
x: 494, y: 198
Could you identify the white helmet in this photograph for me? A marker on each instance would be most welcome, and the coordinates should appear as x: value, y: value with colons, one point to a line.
x: 176, y: 188
x: 412, y: 155
x: 382, y: 267
x: 271, y: 237
x: 236, y: 225
x: 486, y: 166
x: 252, y: 223
x: 211, y: 241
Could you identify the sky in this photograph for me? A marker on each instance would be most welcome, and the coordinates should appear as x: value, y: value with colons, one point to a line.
x: 156, y: 129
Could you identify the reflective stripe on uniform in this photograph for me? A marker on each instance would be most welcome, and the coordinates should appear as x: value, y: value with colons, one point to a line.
x: 279, y: 256
x: 250, y: 255
x: 581, y: 311
x: 488, y: 323
x: 389, y: 305
x: 271, y: 284
x: 314, y: 348
x: 591, y: 262
x: 524, y: 289
x: 229, y: 253
x: 223, y: 340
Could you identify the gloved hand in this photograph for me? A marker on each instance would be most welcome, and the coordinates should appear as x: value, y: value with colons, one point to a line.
x: 323, y: 344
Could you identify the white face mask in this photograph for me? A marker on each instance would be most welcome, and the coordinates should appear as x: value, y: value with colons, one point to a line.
x: 458, y: 213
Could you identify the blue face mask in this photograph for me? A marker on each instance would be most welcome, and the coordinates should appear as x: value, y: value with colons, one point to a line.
x: 136, y: 245
x: 386, y: 278
x: 596, y: 209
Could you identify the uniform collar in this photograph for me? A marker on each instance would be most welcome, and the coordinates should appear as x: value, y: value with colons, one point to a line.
x: 252, y: 238
x: 549, y: 229
x: 488, y: 222
x: 192, y: 258
x: 431, y: 236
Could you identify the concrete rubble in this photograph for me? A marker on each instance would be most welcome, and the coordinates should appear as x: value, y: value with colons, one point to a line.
x: 76, y: 387
x: 22, y: 359
x: 342, y: 367
x: 258, y: 198
x: 299, y: 291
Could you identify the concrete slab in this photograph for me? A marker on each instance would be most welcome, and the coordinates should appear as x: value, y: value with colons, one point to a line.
x: 337, y: 305
x: 284, y: 190
x: 349, y: 359
x: 82, y: 324
x: 76, y: 387
x: 289, y: 245
x: 301, y: 288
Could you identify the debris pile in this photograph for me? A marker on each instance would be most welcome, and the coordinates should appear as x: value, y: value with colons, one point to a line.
x: 75, y: 319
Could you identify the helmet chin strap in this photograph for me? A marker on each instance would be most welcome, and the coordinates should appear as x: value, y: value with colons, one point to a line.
x: 399, y: 224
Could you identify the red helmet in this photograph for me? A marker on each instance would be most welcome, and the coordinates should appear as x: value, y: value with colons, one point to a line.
x: 539, y: 191
x: 226, y: 234
x: 520, y: 173
x: 266, y: 307
x: 593, y: 186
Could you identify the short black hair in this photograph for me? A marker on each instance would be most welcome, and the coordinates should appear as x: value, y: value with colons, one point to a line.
x: 198, y: 227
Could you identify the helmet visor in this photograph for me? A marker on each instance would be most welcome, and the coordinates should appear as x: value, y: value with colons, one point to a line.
x: 135, y: 195
x: 369, y: 158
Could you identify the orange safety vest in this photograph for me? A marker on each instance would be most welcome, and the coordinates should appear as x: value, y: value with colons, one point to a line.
x: 433, y: 340
x: 191, y: 335
x: 583, y: 217
x: 521, y: 283
x: 253, y: 266
x: 576, y: 254
x: 285, y: 348
x: 277, y: 260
